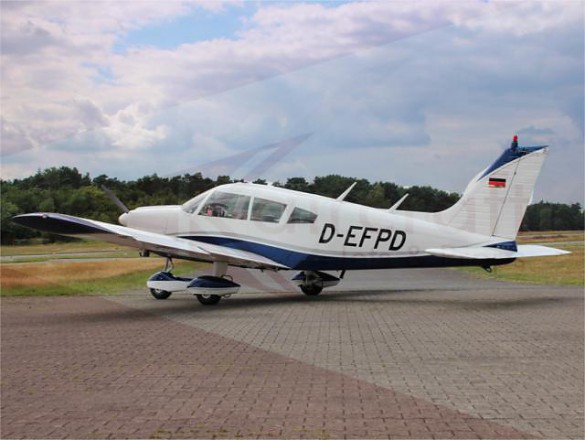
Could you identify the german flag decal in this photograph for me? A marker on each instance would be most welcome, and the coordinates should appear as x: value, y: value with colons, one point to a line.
x: 495, y: 182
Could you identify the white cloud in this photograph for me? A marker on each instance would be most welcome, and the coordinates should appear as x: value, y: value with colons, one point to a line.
x: 90, y: 114
x: 50, y: 54
x: 448, y: 78
x: 530, y: 17
x: 13, y: 138
x: 128, y: 129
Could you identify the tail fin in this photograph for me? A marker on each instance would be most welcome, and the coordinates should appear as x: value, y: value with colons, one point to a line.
x: 495, y: 201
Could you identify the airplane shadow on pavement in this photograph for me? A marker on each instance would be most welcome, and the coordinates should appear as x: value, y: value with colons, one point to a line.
x: 148, y: 308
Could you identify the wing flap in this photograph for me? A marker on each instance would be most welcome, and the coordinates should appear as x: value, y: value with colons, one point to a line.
x: 490, y: 253
x: 160, y: 244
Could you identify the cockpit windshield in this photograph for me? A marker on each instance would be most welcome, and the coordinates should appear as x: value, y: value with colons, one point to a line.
x: 225, y: 204
x: 228, y: 205
x: 191, y: 206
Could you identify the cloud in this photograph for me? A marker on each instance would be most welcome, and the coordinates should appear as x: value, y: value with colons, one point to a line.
x: 120, y: 134
x: 13, y: 139
x: 53, y: 52
x: 54, y: 56
x: 532, y: 17
x: 90, y: 114
x: 451, y: 80
x: 129, y: 130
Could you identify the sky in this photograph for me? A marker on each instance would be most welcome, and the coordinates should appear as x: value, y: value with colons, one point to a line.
x: 414, y: 92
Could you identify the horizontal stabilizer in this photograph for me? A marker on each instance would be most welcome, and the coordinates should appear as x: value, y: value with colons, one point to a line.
x: 491, y: 253
x: 534, y: 250
x: 473, y: 253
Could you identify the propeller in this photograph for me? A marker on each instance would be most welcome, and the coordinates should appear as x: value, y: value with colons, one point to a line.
x: 116, y: 200
x: 123, y: 219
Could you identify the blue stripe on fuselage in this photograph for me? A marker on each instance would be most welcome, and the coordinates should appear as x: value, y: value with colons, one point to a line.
x: 303, y: 261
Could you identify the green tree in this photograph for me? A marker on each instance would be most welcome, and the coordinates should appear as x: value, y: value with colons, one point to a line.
x: 10, y: 231
x: 376, y: 197
x: 298, y: 184
x: 47, y: 205
x: 53, y: 178
x: 544, y: 216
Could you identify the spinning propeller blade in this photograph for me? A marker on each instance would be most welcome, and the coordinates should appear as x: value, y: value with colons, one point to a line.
x: 116, y: 200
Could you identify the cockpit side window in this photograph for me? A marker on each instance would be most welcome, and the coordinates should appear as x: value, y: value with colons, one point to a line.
x: 302, y: 216
x: 228, y: 205
x: 264, y: 210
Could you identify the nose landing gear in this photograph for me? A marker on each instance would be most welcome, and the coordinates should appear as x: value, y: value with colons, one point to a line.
x: 209, y: 289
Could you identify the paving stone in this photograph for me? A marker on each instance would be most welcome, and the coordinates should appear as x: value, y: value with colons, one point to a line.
x: 496, y: 362
x: 506, y: 352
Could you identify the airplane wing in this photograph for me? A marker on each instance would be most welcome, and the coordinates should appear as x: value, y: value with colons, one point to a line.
x: 490, y: 253
x: 164, y: 245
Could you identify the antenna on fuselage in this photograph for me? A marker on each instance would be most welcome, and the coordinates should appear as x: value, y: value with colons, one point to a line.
x: 346, y: 192
x: 398, y: 203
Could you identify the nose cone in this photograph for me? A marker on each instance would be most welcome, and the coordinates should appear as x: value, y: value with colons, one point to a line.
x: 123, y: 219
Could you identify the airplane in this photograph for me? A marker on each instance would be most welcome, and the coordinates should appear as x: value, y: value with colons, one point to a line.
x: 271, y: 228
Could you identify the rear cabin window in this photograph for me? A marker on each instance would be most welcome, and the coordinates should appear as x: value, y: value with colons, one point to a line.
x: 267, y: 210
x: 227, y: 205
x: 302, y: 216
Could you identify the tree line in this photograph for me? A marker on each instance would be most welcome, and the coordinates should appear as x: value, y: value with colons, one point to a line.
x: 68, y: 191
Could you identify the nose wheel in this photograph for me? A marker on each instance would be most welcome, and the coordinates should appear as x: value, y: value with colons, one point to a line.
x: 208, y: 289
x: 160, y: 294
x: 162, y: 284
x: 208, y: 300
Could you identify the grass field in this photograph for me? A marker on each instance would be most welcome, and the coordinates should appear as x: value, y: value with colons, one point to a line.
x: 74, y: 268
x: 61, y: 248
x: 64, y: 251
x: 81, y: 278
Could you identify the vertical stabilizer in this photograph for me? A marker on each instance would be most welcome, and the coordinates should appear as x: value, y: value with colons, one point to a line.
x: 495, y: 201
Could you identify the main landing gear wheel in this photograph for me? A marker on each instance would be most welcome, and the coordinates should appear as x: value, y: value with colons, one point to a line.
x: 160, y: 294
x: 312, y: 283
x: 311, y: 289
x: 208, y: 300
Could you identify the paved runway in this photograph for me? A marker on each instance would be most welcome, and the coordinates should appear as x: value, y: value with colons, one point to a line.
x: 399, y: 354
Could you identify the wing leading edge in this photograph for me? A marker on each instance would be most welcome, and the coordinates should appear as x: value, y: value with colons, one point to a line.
x: 164, y: 245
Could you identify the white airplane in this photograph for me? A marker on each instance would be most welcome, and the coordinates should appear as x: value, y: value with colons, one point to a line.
x: 269, y: 228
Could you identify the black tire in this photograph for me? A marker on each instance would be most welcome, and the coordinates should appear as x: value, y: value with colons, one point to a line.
x: 208, y: 300
x: 160, y: 294
x: 311, y: 290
